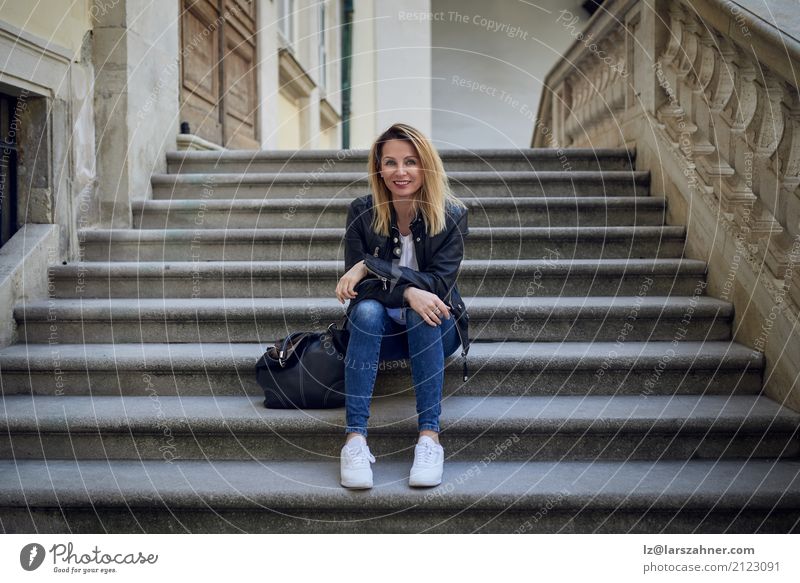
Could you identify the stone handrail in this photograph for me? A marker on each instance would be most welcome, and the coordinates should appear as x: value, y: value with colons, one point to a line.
x: 706, y: 92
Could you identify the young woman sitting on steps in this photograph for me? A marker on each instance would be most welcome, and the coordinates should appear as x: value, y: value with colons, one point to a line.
x: 403, y: 250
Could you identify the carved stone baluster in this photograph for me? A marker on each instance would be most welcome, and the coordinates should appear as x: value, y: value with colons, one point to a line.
x: 690, y: 46
x: 597, y: 102
x: 668, y: 73
x: 565, y: 106
x: 676, y: 121
x: 569, y: 112
x: 616, y: 90
x: 704, y: 63
x: 604, y: 107
x: 697, y: 109
x: 578, y: 97
x: 573, y: 125
x: 763, y: 135
x: 554, y: 121
x: 720, y: 88
x: 785, y: 163
x: 600, y: 105
x: 786, y: 159
x: 580, y: 109
x: 673, y: 50
x: 590, y: 94
x: 735, y: 119
x: 766, y: 126
x: 712, y: 167
x: 743, y: 102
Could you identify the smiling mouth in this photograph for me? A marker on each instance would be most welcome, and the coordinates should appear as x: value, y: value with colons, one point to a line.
x: 402, y: 182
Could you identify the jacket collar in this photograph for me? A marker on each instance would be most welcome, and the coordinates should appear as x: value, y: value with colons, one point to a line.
x: 417, y: 223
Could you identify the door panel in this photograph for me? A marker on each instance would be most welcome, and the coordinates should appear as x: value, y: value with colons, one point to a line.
x: 219, y: 88
x: 240, y: 103
x: 200, y: 86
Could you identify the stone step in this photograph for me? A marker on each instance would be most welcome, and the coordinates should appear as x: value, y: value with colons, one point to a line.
x: 348, y: 185
x: 537, y: 428
x: 327, y: 161
x: 245, y: 279
x: 328, y: 244
x: 332, y: 213
x: 495, y: 368
x: 541, y: 319
x: 490, y: 495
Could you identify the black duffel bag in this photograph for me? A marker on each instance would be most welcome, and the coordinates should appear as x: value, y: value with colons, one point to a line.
x: 305, y: 370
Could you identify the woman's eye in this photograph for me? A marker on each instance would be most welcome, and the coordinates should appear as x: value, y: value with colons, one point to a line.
x: 412, y: 162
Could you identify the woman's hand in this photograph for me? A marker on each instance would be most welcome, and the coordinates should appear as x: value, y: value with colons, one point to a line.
x: 427, y: 305
x: 345, y: 289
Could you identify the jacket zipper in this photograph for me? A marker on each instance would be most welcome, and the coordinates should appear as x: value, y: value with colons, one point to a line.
x: 383, y: 279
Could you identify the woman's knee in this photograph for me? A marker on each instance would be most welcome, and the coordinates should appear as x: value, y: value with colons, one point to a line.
x: 368, y: 315
x: 416, y: 325
x: 446, y: 331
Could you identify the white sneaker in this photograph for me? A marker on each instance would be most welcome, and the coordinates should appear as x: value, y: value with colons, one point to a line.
x: 428, y: 463
x: 354, y: 464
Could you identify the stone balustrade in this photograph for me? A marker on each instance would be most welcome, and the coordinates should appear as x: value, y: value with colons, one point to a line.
x: 706, y: 92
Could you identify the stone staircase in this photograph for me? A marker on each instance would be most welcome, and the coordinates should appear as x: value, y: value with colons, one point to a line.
x: 606, y: 393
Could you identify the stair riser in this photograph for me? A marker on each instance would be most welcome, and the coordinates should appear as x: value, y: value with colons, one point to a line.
x: 172, y: 443
x: 215, y: 285
x: 394, y: 378
x: 638, y: 247
x: 333, y: 164
x: 494, y: 217
x: 323, y: 189
x: 549, y: 516
x: 519, y: 327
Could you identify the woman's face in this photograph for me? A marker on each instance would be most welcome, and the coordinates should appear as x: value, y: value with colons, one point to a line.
x: 401, y: 169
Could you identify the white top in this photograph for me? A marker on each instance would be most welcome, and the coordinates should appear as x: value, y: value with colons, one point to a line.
x: 408, y: 258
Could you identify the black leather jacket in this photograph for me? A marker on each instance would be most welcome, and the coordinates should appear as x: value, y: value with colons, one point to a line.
x: 438, y: 258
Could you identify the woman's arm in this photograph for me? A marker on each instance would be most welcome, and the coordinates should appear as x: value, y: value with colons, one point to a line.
x: 345, y: 289
x: 355, y: 241
x: 354, y: 253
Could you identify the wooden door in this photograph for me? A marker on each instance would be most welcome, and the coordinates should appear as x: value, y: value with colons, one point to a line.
x: 240, y: 87
x: 219, y: 89
x: 200, y: 81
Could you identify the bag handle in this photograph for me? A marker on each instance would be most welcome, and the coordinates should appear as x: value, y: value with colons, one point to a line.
x: 289, y: 346
x: 336, y: 333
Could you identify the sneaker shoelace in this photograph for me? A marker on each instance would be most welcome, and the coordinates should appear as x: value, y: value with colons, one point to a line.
x: 359, y: 454
x: 428, y: 452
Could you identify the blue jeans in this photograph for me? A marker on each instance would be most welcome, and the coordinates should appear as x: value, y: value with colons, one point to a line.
x: 375, y: 337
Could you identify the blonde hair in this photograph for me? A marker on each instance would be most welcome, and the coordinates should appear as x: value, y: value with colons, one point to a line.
x: 431, y: 199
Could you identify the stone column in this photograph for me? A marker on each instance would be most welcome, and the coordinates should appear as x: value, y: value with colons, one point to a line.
x: 137, y: 76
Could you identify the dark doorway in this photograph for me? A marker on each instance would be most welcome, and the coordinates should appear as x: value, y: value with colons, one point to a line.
x: 8, y: 168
